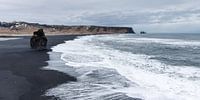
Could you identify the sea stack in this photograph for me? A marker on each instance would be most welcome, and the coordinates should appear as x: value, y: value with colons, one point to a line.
x: 38, y: 40
x: 142, y: 32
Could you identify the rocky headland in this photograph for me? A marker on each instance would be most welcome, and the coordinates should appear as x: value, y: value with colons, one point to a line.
x: 25, y: 28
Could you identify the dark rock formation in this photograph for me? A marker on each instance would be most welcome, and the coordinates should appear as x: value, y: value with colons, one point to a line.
x: 38, y: 40
x: 142, y: 32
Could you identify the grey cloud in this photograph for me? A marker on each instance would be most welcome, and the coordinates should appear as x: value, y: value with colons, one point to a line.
x: 148, y: 17
x: 101, y: 12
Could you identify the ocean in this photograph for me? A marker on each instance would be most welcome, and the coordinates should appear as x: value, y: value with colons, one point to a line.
x: 6, y: 39
x: 129, y: 67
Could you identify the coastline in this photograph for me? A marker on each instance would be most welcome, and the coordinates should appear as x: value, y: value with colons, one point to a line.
x: 28, y: 28
x: 54, y: 34
x: 16, y: 35
x: 21, y: 75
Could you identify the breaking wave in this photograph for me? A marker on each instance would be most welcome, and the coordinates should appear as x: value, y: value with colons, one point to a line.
x: 105, y: 72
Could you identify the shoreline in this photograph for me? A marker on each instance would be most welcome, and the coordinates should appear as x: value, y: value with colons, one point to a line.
x: 55, y: 34
x: 16, y: 35
x: 22, y: 68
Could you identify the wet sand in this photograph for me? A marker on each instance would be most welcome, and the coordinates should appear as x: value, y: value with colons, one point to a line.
x: 21, y: 76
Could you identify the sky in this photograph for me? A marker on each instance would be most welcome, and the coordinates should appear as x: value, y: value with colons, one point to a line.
x: 153, y: 16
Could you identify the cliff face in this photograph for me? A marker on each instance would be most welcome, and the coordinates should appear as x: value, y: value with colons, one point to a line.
x: 28, y: 28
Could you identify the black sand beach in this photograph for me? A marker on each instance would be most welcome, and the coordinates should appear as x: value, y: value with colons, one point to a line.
x: 21, y: 77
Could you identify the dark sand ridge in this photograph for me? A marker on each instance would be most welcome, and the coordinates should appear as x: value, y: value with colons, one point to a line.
x: 21, y: 76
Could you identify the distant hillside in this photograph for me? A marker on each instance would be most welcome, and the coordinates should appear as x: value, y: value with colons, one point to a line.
x: 29, y: 28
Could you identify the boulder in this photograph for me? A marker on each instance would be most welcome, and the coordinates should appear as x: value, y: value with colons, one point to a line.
x: 38, y: 40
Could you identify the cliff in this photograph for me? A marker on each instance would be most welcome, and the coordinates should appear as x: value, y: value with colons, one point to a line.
x: 28, y: 28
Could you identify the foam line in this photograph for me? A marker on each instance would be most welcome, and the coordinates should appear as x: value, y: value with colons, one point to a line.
x: 142, y: 77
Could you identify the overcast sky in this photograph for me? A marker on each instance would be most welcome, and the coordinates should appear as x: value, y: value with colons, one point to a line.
x: 148, y: 15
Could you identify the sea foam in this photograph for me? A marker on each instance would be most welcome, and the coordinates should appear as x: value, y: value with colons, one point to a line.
x: 104, y: 72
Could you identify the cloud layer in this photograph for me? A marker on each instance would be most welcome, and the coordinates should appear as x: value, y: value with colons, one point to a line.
x: 161, y: 14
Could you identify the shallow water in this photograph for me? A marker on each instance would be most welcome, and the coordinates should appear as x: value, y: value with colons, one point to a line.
x: 127, y: 66
x: 5, y: 39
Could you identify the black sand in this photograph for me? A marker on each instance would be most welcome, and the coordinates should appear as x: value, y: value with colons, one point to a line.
x: 20, y: 75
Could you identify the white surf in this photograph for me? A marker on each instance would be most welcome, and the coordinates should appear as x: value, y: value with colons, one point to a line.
x: 106, y: 73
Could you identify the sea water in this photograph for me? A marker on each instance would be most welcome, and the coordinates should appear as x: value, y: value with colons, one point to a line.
x: 5, y: 39
x: 128, y: 67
